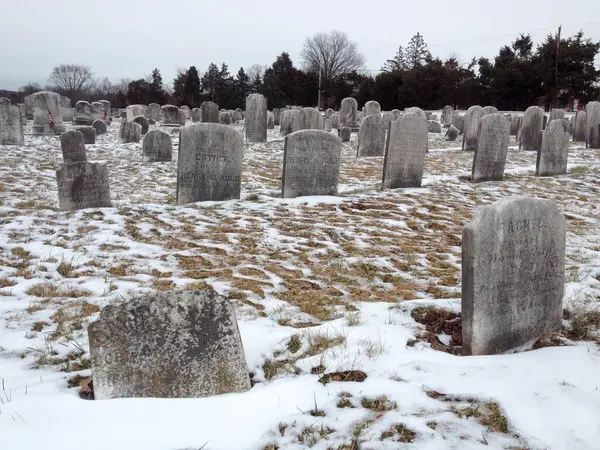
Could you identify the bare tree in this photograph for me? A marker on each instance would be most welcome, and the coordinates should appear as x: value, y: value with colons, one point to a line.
x: 256, y: 71
x: 334, y: 52
x: 71, y: 79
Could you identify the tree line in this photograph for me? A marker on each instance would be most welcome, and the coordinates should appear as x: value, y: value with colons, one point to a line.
x: 520, y: 75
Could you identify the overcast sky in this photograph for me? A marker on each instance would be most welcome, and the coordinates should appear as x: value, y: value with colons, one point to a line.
x: 128, y: 38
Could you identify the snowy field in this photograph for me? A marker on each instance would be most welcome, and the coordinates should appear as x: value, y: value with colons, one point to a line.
x: 320, y: 284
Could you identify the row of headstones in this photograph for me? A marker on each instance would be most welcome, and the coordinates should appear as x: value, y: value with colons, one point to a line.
x: 513, y: 259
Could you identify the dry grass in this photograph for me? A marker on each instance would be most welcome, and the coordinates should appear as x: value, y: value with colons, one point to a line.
x: 47, y: 289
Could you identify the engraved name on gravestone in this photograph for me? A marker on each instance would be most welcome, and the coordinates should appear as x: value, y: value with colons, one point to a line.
x: 82, y: 185
x: 406, y: 146
x: 552, y: 156
x: 209, y: 165
x: 513, y: 274
x: 492, y: 145
x: 311, y: 163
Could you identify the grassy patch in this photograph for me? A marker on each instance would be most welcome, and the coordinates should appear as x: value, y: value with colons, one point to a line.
x: 379, y: 404
x: 47, y: 289
x: 399, y: 433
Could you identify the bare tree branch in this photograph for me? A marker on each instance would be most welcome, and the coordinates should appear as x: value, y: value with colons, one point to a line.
x: 256, y: 70
x: 334, y: 52
x: 71, y: 79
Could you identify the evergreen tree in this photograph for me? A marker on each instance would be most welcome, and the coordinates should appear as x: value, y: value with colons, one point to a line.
x: 224, y: 88
x: 191, y: 88
x: 179, y: 87
x: 210, y: 81
x: 417, y: 53
x: 397, y: 64
x: 241, y: 89
x: 157, y: 93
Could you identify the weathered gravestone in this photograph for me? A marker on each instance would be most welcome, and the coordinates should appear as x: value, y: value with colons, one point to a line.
x: 328, y: 113
x: 89, y: 133
x: 554, y: 152
x: 452, y: 133
x: 83, y: 113
x: 327, y: 125
x: 579, y: 129
x: 236, y: 116
x: 406, y: 146
x: 154, y: 111
x: 100, y: 127
x: 492, y: 145
x: 434, y: 126
x: 349, y: 113
x: 270, y: 120
x: 169, y: 115
x: 157, y: 147
x: 209, y: 166
x: 311, y: 164
x: 335, y: 120
x: 256, y: 118
x: 489, y: 110
x: 133, y: 111
x: 4, y: 101
x: 276, y: 116
x: 371, y: 137
x: 28, y: 107
x: 72, y: 144
x: 11, y: 126
x: 82, y: 185
x: 447, y: 115
x: 225, y: 118
x: 556, y: 114
x: 397, y: 113
x: 98, y: 111
x: 513, y: 274
x: 186, y: 110
x: 459, y: 122
x: 471, y: 126
x: 196, y: 115
x: 289, y: 122
x: 66, y: 108
x: 181, y: 117
x: 22, y: 113
x: 514, y: 125
x: 310, y: 119
x: 344, y: 133
x: 143, y: 122
x: 387, y: 117
x: 130, y: 132
x: 530, y: 132
x: 45, y: 104
x: 168, y: 345
x: 209, y: 112
x: 371, y: 107
x: 592, y: 110
x: 106, y: 104
x: 418, y: 111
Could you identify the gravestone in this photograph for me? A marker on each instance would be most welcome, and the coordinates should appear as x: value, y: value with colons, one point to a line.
x: 418, y: 111
x: 370, y: 108
x: 28, y: 107
x: 310, y: 119
x: 328, y: 113
x: 489, y: 110
x: 579, y: 129
x: 169, y: 115
x: 157, y: 146
x: 11, y: 125
x: 371, y: 137
x: 459, y: 123
x: 335, y: 120
x: 592, y: 110
x: 168, y: 345
x: 209, y: 112
x: 397, y: 113
x: 72, y: 144
x: 513, y: 274
x: 209, y: 167
x: 133, y: 111
x: 270, y: 120
x: 556, y: 114
x: 98, y: 111
x: 514, y: 125
x: 471, y: 126
x: 492, y: 145
x: 181, y: 117
x: 186, y: 110
x: 289, y: 122
x: 530, y: 132
x: 452, y: 133
x: 154, y: 111
x: 349, y: 113
x: 447, y: 115
x: 23, y: 114
x: 100, y: 127
x: 256, y: 118
x: 276, y: 116
x: 106, y: 104
x: 552, y: 156
x: 89, y: 133
x: 130, y: 132
x: 544, y: 122
x: 344, y: 133
x: 387, y: 117
x: 82, y: 185
x: 225, y: 118
x: 4, y: 101
x: 83, y: 113
x: 311, y: 164
x: 236, y: 116
x: 327, y: 125
x: 45, y: 104
x: 406, y: 146
x: 434, y: 126
x: 66, y: 108
x: 196, y: 115
x: 143, y: 122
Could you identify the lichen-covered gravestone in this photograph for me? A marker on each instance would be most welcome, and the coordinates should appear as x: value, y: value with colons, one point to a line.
x: 130, y: 132
x: 289, y: 122
x: 530, y: 131
x: 11, y: 125
x: 89, y: 133
x: 82, y: 185
x: 371, y: 136
x: 256, y: 118
x: 311, y: 163
x: 209, y: 166
x: 492, y: 145
x: 72, y: 144
x: 168, y: 345
x: 209, y: 112
x: 371, y: 107
x: 157, y: 146
x: 100, y: 127
x: 592, y: 110
x: 552, y: 156
x: 404, y: 160
x: 169, y: 115
x: 83, y: 113
x: 579, y: 129
x: 471, y: 126
x: 513, y: 274
x: 143, y: 122
x: 447, y: 115
x: 349, y: 113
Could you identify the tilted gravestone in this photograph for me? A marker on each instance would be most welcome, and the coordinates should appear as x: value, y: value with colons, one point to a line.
x: 492, y: 145
x: 489, y: 110
x: 447, y: 115
x: 98, y: 111
x: 157, y: 147
x: 143, y: 122
x: 289, y: 122
x: 344, y: 133
x: 256, y: 118
x: 513, y: 274
x: 209, y: 112
x: 434, y: 126
x: 83, y: 113
x: 471, y: 126
x: 530, y: 131
x: 579, y: 129
x: 371, y: 107
x: 514, y: 125
x: 592, y: 110
x: 452, y: 133
x: 335, y: 120
x: 72, y: 144
x: 349, y: 113
x: 209, y: 166
x: 371, y: 137
x: 100, y: 127
x: 554, y: 152
x: 310, y: 119
x: 459, y: 123
x: 169, y: 115
x: 196, y: 115
x: 311, y: 164
x: 82, y: 185
x: 89, y: 133
x: 154, y: 112
x: 130, y: 132
x: 225, y: 118
x: 168, y: 345
x: 45, y: 104
x: 406, y: 146
x: 327, y: 125
x: 11, y: 125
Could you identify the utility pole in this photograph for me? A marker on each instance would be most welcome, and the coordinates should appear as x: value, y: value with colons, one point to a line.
x: 319, y: 93
x: 555, y: 93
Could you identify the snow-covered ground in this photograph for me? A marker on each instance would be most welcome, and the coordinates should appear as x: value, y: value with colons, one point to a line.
x: 319, y: 283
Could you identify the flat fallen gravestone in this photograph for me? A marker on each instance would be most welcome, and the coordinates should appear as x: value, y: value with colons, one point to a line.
x: 513, y: 274
x: 552, y: 156
x: 311, y: 163
x: 157, y: 146
x: 371, y: 137
x: 404, y: 160
x: 209, y: 166
x: 82, y: 185
x: 72, y: 144
x: 489, y: 158
x: 168, y: 345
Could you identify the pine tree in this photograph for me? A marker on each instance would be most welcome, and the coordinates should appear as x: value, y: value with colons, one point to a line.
x: 397, y: 63
x: 241, y: 88
x: 417, y: 53
x: 192, y: 88
x: 179, y: 87
x: 157, y: 93
x: 210, y: 80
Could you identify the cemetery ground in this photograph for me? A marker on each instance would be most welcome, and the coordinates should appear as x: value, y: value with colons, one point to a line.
x: 327, y: 290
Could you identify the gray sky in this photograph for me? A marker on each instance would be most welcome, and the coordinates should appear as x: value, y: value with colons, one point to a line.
x: 128, y: 38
